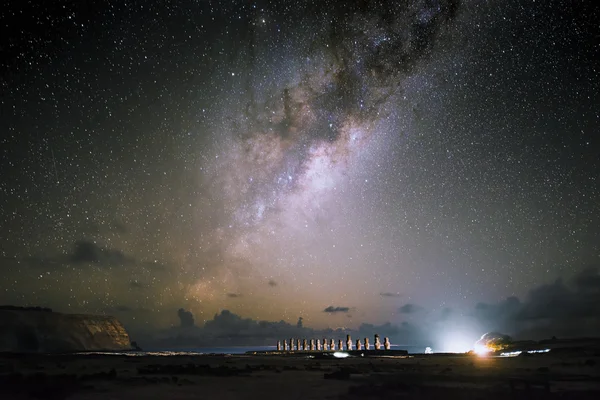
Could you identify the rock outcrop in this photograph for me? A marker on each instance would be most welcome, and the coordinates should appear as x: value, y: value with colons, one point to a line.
x: 37, y: 330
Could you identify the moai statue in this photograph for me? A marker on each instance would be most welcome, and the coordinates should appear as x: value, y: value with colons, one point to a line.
x: 279, y: 345
x: 386, y: 343
x: 340, y: 344
x: 304, y: 344
x: 377, y: 343
x: 318, y: 344
x: 285, y: 345
x: 332, y: 344
x: 348, y: 343
x: 325, y: 344
x: 291, y: 344
x: 298, y: 344
x: 358, y: 345
x: 367, y: 347
x: 312, y: 344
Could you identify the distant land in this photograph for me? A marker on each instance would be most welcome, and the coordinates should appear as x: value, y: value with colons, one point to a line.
x: 41, y: 330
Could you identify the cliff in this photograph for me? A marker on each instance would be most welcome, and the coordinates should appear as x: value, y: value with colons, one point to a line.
x: 37, y: 330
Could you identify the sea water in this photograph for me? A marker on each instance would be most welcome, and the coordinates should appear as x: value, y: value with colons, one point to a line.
x: 228, y: 350
x: 246, y: 349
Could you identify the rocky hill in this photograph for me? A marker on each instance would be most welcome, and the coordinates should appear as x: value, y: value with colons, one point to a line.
x: 39, y: 330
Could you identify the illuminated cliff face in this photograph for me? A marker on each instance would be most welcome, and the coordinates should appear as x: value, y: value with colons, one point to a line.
x: 106, y: 333
x: 49, y: 332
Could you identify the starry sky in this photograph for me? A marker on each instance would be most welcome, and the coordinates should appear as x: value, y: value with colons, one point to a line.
x: 346, y: 162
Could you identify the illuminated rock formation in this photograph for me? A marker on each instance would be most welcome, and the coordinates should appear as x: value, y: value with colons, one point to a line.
x: 492, y: 341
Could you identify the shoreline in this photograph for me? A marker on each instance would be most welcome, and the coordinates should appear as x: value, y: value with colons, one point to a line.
x: 264, y: 376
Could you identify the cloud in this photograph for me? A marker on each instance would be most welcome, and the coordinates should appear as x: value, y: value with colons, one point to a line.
x: 186, y: 318
x: 233, y: 295
x: 561, y: 308
x: 554, y: 309
x: 135, y: 284
x: 389, y: 294
x: 409, y: 308
x: 228, y: 328
x: 500, y: 311
x: 84, y: 252
x: 229, y: 322
x: 403, y: 331
x: 87, y: 252
x: 588, y: 280
x: 332, y: 309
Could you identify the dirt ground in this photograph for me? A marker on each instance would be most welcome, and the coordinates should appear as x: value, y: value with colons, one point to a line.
x: 91, y: 377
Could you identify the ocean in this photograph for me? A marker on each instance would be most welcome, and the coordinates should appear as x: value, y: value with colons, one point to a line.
x: 245, y: 349
x: 223, y: 350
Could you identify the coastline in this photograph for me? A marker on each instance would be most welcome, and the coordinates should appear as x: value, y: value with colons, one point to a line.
x: 94, y: 376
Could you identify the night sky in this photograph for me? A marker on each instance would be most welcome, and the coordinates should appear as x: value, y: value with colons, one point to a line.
x: 345, y: 162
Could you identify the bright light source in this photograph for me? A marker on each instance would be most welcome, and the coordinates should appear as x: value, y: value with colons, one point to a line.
x: 481, y: 350
x: 339, y: 354
x: 428, y: 350
x: 457, y: 343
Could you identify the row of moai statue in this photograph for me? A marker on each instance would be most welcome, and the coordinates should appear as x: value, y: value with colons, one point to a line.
x: 330, y: 345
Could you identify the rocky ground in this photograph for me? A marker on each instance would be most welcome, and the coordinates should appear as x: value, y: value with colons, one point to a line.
x: 540, y: 376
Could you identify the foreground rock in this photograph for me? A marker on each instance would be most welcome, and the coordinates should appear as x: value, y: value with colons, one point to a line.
x: 569, y: 375
x: 37, y: 330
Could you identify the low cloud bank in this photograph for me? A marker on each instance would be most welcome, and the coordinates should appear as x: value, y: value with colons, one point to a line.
x: 557, y: 309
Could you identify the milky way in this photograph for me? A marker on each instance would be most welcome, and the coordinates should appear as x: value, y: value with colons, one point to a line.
x: 279, y: 159
x: 285, y: 167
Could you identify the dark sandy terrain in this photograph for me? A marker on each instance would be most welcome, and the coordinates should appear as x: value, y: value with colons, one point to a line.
x: 540, y: 376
